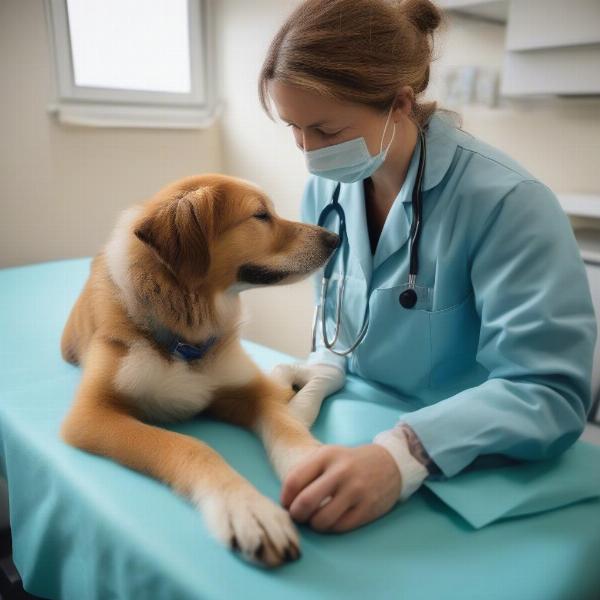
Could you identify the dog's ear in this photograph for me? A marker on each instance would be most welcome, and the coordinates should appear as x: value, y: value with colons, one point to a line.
x: 178, y: 233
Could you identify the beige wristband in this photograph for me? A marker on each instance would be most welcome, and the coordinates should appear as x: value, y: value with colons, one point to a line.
x: 412, y: 471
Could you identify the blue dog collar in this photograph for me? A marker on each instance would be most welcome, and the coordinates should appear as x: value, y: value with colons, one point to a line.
x: 190, y: 352
x: 181, y: 349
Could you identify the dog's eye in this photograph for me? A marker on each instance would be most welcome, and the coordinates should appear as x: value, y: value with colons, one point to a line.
x: 262, y: 216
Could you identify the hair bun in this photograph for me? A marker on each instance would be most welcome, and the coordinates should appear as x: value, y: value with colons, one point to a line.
x: 425, y: 15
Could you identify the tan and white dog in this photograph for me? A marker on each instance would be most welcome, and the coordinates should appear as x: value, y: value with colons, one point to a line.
x: 156, y: 329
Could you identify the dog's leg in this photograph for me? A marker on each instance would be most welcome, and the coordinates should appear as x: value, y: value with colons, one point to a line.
x: 79, y: 328
x: 69, y: 343
x: 286, y: 438
x: 263, y: 407
x: 234, y: 511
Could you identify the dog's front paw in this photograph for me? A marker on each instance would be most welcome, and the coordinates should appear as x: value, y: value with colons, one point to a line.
x: 244, y: 520
x: 289, y: 375
x: 312, y: 384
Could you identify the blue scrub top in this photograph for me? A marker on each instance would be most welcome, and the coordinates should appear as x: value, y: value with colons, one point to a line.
x: 497, y: 354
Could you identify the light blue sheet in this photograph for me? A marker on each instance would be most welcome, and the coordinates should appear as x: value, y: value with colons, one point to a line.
x: 85, y: 527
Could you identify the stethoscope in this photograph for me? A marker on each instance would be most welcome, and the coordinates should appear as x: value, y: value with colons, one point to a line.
x: 408, y: 298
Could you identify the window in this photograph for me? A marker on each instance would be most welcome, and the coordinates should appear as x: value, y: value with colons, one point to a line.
x: 133, y: 63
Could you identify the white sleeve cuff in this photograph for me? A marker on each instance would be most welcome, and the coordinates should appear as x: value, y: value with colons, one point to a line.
x: 326, y: 357
x: 412, y: 471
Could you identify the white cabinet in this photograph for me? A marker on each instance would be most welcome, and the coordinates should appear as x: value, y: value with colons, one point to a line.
x: 589, y: 241
x: 538, y: 24
x: 572, y: 70
x: 552, y: 46
x: 494, y: 10
x: 588, y: 238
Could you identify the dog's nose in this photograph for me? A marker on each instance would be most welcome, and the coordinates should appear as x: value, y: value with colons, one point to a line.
x: 331, y: 240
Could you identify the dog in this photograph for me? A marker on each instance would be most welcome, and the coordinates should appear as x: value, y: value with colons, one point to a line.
x: 156, y: 330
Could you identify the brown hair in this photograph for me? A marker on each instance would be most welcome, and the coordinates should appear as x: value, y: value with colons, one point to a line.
x: 360, y: 51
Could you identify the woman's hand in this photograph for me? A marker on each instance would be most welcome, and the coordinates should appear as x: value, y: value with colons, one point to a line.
x: 363, y: 484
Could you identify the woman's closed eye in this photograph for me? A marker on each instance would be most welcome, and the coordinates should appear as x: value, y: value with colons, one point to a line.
x: 321, y: 132
x: 328, y: 134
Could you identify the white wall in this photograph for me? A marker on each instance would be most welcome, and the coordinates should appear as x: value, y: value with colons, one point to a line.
x: 258, y: 149
x: 557, y: 140
x: 62, y: 187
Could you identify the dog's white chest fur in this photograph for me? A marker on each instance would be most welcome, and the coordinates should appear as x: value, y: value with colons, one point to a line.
x: 176, y: 390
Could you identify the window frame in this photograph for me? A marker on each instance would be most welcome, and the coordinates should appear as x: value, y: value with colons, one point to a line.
x: 117, y: 107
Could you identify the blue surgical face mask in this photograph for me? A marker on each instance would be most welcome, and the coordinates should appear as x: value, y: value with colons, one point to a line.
x: 349, y: 161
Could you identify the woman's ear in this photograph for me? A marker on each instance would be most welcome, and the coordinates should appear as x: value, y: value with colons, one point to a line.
x: 403, y: 105
x: 177, y: 233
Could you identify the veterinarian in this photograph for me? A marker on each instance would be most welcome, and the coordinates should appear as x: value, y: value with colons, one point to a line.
x: 493, y: 343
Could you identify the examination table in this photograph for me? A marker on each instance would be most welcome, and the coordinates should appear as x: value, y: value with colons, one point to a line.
x: 84, y: 527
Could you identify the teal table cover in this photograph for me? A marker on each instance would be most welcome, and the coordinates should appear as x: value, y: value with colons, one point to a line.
x: 87, y: 528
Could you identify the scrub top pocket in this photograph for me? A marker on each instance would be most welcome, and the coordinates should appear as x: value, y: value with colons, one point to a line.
x: 454, y: 342
x: 397, y: 348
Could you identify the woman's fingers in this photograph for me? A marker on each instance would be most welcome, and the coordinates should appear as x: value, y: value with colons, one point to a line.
x: 332, y: 511
x: 300, y: 476
x: 351, y: 519
x: 313, y: 496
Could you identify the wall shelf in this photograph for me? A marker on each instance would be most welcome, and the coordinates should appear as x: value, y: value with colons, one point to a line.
x: 488, y: 10
x: 581, y: 205
x: 550, y: 50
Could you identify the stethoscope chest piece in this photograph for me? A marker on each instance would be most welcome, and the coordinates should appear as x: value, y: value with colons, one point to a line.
x: 408, y: 298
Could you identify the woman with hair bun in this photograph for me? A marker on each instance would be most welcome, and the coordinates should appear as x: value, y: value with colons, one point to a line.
x: 488, y: 333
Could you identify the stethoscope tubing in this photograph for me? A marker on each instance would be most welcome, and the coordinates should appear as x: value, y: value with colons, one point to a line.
x: 407, y: 299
